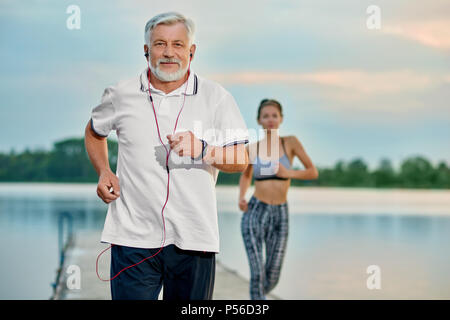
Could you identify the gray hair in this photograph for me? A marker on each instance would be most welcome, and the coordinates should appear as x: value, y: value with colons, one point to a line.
x: 169, y: 18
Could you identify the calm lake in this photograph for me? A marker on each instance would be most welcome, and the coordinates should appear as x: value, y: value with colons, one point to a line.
x: 334, y: 236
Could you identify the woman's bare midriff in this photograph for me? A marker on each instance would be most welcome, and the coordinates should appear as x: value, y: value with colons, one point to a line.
x: 273, y: 192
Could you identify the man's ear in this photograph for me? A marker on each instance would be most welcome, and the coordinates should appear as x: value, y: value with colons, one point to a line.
x: 192, y: 50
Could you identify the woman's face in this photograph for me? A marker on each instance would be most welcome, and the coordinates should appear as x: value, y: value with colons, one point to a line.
x: 270, y: 117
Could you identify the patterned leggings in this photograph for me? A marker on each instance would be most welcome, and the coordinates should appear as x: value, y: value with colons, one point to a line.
x: 268, y: 224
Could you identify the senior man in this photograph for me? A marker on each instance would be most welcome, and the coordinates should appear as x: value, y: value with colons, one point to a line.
x: 175, y: 131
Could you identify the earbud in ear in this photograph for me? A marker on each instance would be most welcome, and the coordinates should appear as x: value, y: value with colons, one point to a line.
x: 146, y: 54
x: 190, y: 55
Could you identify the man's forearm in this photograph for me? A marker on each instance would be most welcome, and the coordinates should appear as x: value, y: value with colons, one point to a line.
x: 97, y: 150
x: 227, y: 159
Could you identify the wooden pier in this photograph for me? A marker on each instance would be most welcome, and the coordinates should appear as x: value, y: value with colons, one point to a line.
x: 81, y: 257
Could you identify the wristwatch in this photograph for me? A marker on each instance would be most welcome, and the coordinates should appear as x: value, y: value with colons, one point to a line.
x: 204, y: 145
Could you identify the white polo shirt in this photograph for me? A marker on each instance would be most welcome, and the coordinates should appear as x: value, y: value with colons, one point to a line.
x: 190, y: 215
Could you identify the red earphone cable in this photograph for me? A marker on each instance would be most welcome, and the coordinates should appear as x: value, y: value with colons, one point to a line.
x: 168, y: 178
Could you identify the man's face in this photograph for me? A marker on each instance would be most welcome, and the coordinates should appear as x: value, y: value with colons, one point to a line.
x: 169, y: 51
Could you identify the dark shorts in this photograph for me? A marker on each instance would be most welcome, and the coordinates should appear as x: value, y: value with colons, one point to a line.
x: 185, y: 274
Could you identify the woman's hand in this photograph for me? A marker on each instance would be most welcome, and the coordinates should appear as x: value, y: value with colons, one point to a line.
x: 243, y: 205
x: 282, y: 171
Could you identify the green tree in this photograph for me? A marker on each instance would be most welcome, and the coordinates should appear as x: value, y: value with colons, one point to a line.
x: 68, y: 162
x: 339, y: 176
x: 441, y: 177
x: 384, y: 175
x: 326, y: 177
x: 357, y: 174
x: 416, y: 172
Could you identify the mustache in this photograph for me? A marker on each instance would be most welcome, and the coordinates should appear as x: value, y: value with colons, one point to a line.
x: 168, y: 60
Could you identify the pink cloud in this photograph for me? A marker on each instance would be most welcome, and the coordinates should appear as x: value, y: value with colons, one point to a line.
x: 359, y: 81
x: 433, y: 33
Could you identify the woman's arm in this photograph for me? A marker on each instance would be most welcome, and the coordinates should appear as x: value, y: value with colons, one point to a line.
x: 244, y: 183
x: 310, y: 172
x: 245, y: 180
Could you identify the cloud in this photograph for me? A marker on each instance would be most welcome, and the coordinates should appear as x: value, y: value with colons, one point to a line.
x: 433, y: 33
x: 358, y: 96
x: 359, y: 81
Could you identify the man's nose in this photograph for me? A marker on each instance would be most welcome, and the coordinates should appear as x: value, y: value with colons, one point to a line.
x: 168, y: 52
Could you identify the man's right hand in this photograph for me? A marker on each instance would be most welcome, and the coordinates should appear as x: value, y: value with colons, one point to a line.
x: 106, y: 181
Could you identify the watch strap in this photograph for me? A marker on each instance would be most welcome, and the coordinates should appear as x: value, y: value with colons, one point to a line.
x: 202, y: 154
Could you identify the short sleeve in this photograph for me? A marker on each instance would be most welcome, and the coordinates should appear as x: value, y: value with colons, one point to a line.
x: 229, y: 124
x: 102, y: 116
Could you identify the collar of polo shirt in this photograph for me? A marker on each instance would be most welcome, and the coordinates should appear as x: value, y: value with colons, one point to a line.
x: 191, y: 89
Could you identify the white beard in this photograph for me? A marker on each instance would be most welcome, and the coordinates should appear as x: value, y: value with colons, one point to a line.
x: 166, y: 76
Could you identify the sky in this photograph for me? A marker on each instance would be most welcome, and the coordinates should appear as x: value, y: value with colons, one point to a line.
x: 348, y: 90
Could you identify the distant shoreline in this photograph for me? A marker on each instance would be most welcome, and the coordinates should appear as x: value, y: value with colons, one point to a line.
x: 223, y: 185
x: 301, y: 200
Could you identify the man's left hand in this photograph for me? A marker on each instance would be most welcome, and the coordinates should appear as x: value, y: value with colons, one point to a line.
x: 185, y: 144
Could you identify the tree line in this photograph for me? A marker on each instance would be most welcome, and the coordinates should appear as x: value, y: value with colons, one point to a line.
x: 68, y: 161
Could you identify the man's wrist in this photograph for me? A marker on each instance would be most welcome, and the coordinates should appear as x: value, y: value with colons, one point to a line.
x: 104, y: 171
x: 209, y: 154
x: 203, y: 151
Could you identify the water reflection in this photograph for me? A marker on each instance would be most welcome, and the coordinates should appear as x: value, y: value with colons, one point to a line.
x: 327, y: 253
x: 29, y: 234
x: 36, y: 213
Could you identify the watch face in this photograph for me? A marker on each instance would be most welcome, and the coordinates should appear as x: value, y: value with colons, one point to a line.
x: 204, y: 148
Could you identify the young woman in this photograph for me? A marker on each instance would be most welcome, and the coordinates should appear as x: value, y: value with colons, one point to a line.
x: 265, y: 218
